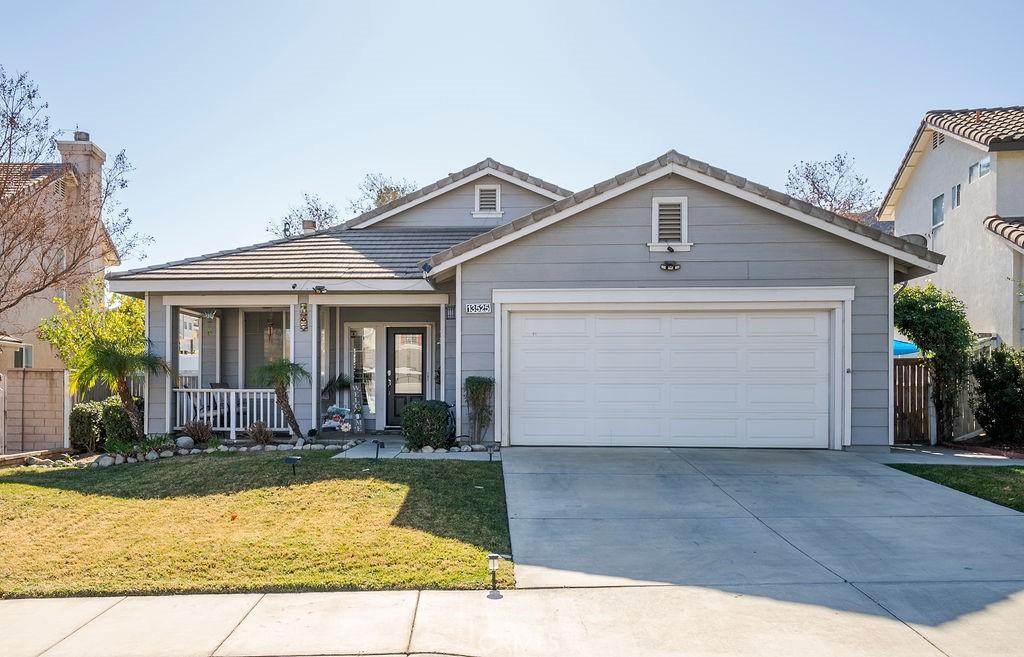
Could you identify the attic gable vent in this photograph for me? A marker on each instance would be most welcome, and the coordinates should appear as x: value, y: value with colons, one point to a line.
x: 669, y: 224
x: 488, y: 201
x: 937, y: 139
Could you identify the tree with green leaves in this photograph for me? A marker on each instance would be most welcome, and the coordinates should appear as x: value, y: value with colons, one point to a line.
x: 116, y: 319
x: 279, y: 374
x: 936, y: 321
x: 114, y: 363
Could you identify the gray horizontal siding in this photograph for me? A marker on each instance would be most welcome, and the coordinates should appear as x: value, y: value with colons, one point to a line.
x: 735, y: 244
x: 455, y: 207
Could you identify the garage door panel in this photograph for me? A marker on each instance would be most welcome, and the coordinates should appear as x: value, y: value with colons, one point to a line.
x: 788, y: 359
x: 708, y: 325
x: 704, y: 359
x: 616, y: 325
x: 758, y: 379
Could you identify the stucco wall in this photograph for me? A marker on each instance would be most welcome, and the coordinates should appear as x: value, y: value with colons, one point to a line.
x: 455, y: 207
x: 979, y: 266
x: 735, y: 244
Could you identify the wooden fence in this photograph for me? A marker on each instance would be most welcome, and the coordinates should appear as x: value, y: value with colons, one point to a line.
x: 911, y: 391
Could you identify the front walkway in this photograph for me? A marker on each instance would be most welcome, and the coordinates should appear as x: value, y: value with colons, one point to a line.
x: 797, y: 620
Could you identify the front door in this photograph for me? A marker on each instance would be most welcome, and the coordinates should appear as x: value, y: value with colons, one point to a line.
x: 407, y: 363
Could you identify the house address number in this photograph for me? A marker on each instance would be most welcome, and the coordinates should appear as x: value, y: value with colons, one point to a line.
x: 478, y: 308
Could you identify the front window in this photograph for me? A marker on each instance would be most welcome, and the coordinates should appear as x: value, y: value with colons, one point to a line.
x: 954, y: 197
x: 364, y: 368
x: 938, y: 210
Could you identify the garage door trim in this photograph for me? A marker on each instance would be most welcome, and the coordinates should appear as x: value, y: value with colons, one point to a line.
x: 837, y: 300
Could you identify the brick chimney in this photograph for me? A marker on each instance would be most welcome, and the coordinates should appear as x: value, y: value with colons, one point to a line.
x: 87, y: 158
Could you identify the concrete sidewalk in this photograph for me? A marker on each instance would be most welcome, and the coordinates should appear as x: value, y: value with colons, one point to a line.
x: 838, y: 619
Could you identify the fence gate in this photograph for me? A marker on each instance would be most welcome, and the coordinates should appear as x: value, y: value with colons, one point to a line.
x: 911, y: 392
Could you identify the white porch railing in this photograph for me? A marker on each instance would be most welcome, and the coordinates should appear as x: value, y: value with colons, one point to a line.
x: 226, y: 409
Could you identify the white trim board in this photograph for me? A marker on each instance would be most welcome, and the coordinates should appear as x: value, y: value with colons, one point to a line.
x: 455, y: 185
x: 127, y: 286
x: 700, y: 178
x: 837, y: 300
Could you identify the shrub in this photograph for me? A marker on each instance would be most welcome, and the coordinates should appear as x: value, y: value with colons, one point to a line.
x: 425, y: 423
x: 478, y: 399
x: 198, y: 431
x: 937, y: 323
x: 157, y: 441
x: 213, y: 442
x: 260, y: 434
x: 118, y: 446
x: 999, y: 394
x: 116, y: 423
x: 86, y: 426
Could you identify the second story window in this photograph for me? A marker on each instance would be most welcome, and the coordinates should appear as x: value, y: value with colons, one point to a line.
x: 980, y: 168
x: 954, y: 197
x: 488, y: 201
x: 938, y: 210
x: 23, y: 357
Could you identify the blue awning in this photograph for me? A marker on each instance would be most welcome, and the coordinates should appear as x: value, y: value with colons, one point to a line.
x: 903, y: 348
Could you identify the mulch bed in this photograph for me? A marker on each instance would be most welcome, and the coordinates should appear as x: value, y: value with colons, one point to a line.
x: 1009, y: 451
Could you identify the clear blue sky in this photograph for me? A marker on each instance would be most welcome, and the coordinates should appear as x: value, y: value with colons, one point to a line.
x: 230, y: 111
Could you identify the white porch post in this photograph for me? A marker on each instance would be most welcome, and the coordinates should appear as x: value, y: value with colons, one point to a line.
x: 441, y: 339
x: 314, y: 331
x: 169, y: 350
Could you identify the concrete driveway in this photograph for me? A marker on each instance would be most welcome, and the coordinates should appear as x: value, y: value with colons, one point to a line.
x: 785, y: 524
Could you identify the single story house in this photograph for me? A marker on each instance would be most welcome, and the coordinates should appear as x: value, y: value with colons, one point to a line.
x: 673, y: 304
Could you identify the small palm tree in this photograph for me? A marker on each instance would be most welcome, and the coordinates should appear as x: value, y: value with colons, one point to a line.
x: 279, y: 374
x: 115, y: 364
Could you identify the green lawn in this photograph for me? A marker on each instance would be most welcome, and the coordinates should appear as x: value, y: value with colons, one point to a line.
x: 1000, y: 484
x: 242, y: 522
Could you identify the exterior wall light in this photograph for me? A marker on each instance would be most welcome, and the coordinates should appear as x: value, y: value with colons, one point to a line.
x: 320, y: 289
x: 668, y: 265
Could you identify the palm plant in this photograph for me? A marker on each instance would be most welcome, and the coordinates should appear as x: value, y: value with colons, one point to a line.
x: 279, y: 374
x: 115, y: 364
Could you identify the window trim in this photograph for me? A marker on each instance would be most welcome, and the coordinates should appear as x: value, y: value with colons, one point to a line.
x: 941, y: 223
x: 684, y: 244
x: 487, y: 214
x: 23, y: 350
x: 975, y: 173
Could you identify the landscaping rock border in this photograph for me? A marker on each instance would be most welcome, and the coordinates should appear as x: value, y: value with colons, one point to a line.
x: 107, y: 460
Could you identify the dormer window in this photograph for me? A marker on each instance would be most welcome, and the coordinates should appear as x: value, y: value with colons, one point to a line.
x: 488, y: 201
x: 669, y: 224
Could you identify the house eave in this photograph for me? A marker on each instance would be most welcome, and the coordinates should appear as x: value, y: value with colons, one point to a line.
x: 273, y: 286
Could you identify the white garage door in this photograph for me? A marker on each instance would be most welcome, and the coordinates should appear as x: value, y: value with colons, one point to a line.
x: 747, y: 379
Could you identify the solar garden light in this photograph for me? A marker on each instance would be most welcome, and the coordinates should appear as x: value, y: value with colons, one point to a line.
x: 379, y: 444
x: 492, y: 567
x: 292, y: 461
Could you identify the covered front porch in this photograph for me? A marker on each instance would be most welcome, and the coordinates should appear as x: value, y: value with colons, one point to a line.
x: 391, y: 347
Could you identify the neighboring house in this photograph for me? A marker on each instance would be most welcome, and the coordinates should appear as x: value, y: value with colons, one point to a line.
x: 961, y: 185
x: 36, y: 399
x: 674, y: 304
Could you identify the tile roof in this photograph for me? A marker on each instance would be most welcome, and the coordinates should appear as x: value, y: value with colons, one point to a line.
x: 673, y: 157
x: 992, y: 126
x: 8, y: 339
x: 1010, y: 229
x: 18, y: 178
x: 452, y: 178
x: 388, y: 253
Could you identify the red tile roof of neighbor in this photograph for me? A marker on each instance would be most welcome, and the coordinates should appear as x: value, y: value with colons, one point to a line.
x: 989, y: 128
x: 1010, y: 229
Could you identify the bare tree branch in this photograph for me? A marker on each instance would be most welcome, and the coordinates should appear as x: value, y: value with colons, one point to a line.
x: 52, y: 231
x: 377, y: 190
x: 324, y: 215
x: 832, y: 185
